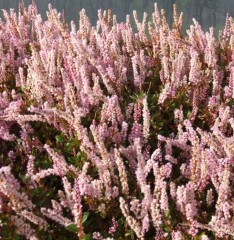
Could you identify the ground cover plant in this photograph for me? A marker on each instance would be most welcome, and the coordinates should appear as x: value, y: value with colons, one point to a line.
x: 110, y: 134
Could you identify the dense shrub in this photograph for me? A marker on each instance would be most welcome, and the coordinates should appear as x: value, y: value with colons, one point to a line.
x: 110, y: 134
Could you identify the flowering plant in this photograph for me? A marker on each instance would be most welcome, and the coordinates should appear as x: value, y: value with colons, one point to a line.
x: 110, y: 134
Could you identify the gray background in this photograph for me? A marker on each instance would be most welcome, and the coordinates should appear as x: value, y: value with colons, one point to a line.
x: 207, y: 12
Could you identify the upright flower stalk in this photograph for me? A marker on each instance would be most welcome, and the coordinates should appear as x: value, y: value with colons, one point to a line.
x: 111, y: 133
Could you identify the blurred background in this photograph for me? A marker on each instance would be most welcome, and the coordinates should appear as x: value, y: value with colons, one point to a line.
x: 207, y: 12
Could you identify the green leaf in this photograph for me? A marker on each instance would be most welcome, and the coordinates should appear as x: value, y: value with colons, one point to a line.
x: 167, y: 229
x: 71, y: 160
x: 167, y: 213
x: 72, y: 228
x: 87, y: 237
x: 130, y: 233
x: 85, y: 217
x: 120, y: 221
x: 59, y: 139
x: 78, y: 155
x: 189, y: 113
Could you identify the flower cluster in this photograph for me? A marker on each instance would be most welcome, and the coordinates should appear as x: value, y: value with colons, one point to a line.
x: 107, y: 133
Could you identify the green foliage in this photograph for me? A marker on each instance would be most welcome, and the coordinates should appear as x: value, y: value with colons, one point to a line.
x: 72, y: 228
